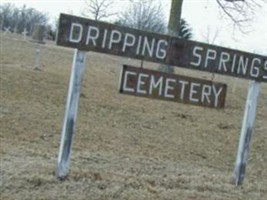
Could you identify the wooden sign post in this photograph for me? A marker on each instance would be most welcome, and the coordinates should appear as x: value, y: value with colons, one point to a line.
x: 246, y: 132
x: 37, y: 58
x: 75, y: 86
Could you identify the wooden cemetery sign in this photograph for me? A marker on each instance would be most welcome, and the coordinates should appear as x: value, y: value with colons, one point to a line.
x: 89, y: 35
x: 171, y: 87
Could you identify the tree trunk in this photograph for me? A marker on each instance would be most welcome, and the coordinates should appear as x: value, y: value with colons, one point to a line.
x: 175, y: 17
x: 173, y: 28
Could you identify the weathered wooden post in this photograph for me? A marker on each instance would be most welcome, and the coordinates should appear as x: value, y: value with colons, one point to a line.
x: 246, y: 132
x: 37, y: 58
x: 75, y: 86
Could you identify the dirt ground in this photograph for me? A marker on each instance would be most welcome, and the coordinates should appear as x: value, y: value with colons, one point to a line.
x: 125, y: 147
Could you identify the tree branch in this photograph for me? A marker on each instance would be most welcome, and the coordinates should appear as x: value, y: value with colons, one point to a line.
x: 240, y: 12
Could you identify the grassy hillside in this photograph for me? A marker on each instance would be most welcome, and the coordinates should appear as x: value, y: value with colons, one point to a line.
x: 124, y: 147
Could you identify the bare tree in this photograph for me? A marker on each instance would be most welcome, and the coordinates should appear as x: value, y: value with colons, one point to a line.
x: 175, y: 17
x: 210, y: 36
x: 241, y: 12
x: 98, y: 9
x: 6, y: 14
x: 174, y: 28
x: 20, y: 18
x: 144, y: 15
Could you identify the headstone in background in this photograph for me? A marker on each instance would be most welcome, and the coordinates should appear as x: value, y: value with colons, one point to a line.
x: 7, y: 30
x: 24, y: 33
x: 15, y: 30
x: 38, y: 36
x: 38, y: 33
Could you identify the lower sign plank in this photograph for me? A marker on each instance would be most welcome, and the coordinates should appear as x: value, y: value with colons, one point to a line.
x: 172, y: 87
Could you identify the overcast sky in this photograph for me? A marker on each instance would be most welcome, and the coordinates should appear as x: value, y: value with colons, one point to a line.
x: 202, y: 15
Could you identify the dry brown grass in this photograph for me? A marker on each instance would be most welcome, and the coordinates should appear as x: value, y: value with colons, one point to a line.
x: 124, y: 147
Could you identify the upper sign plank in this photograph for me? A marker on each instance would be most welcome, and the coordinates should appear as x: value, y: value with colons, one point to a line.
x: 90, y: 35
